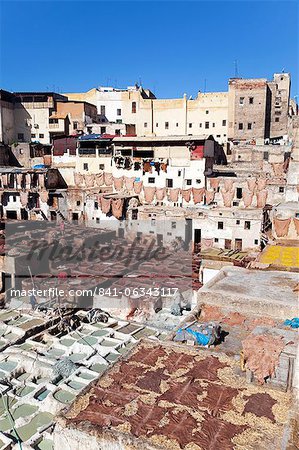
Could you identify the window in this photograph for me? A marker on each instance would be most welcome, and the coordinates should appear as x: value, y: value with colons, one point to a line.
x: 213, y: 125
x: 207, y: 112
x: 166, y: 125
x: 176, y: 124
x: 103, y: 110
x: 200, y: 125
x: 78, y: 203
x: 179, y: 173
x: 188, y: 182
x: 103, y: 130
x: 134, y: 107
x: 119, y: 121
x: 218, y: 135
x: 153, y: 222
x: 53, y: 120
x: 41, y: 136
x: 240, y: 126
x: 251, y: 100
x: 20, y: 136
x: 276, y: 119
x: 198, y: 181
x: 220, y: 225
x: 247, y: 225
x: 224, y: 123
x: 157, y: 125
x: 118, y: 112
x: 249, y: 126
x: 151, y: 179
x: 241, y: 102
x: 117, y: 132
x: 239, y: 192
x: 85, y: 166
x: 238, y: 222
x: 101, y: 166
x: 169, y: 182
x: 207, y: 125
x: 281, y: 189
x: 14, y: 198
x: 173, y: 225
x: 97, y: 220
x: 75, y: 125
x: 145, y: 124
x: 33, y: 135
x: 190, y: 125
x: 89, y: 130
x: 256, y: 242
x: 216, y: 240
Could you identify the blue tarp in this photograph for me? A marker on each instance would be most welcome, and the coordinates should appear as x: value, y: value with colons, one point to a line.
x: 294, y: 323
x: 39, y: 166
x: 89, y: 137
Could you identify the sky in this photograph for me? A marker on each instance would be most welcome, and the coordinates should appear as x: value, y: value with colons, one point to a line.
x: 171, y: 47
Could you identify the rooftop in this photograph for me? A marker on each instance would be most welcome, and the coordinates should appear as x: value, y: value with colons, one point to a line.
x: 169, y: 396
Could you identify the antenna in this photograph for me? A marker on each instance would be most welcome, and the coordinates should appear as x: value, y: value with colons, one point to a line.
x: 236, y: 68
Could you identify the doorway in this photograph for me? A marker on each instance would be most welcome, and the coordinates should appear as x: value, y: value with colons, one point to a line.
x: 238, y: 244
x: 227, y: 244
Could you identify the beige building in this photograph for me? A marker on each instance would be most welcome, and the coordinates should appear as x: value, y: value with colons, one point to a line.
x: 251, y: 109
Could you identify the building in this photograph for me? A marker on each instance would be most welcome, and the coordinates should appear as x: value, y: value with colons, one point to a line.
x: 258, y: 108
x: 36, y: 118
x: 7, y: 130
x: 251, y: 109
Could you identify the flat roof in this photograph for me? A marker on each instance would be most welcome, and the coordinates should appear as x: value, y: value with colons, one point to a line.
x: 267, y: 292
x: 169, y: 396
x: 280, y: 256
x: 182, y: 138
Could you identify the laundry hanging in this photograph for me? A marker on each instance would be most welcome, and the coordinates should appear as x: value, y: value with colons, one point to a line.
x: 209, y: 196
x: 228, y: 185
x: 99, y: 179
x: 19, y: 180
x: 138, y: 187
x: 261, y: 184
x: 281, y: 226
x: 44, y: 196
x: 117, y: 207
x: 118, y: 183
x: 28, y: 180
x: 186, y: 194
x: 251, y: 183
x: 261, y: 198
x: 78, y: 178
x: 108, y: 178
x: 149, y: 193
x: 24, y: 199
x: 214, y: 183
x: 160, y: 194
x: 129, y: 183
x: 4, y: 180
x: 278, y: 169
x: 227, y: 198
x: 173, y: 195
x: 247, y: 197
x: 198, y: 194
x: 207, y: 243
x: 105, y: 204
x: 89, y: 180
x: 296, y: 223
